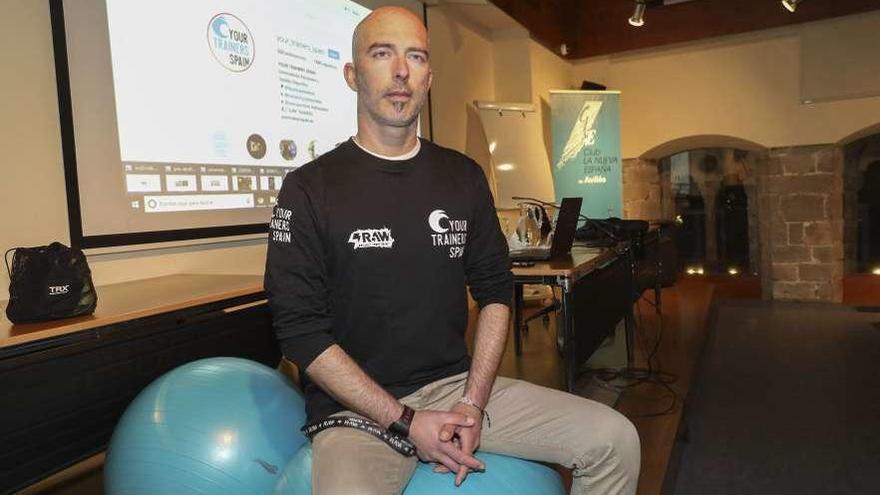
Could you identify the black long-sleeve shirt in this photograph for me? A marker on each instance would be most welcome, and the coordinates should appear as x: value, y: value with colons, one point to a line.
x: 374, y: 255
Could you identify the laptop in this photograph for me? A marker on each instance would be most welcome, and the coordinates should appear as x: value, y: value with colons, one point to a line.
x: 563, y: 237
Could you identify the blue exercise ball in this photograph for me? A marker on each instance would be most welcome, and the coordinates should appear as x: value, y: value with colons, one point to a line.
x: 297, y: 476
x: 214, y: 426
x: 503, y: 476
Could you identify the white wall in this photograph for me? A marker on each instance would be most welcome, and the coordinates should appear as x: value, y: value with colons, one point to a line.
x: 549, y: 71
x: 463, y: 63
x: 746, y: 86
x: 513, y: 65
x: 32, y: 181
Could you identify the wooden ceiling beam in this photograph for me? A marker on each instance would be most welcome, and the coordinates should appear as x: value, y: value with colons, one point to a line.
x: 548, y: 21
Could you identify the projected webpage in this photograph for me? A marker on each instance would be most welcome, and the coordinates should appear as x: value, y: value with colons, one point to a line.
x: 216, y: 104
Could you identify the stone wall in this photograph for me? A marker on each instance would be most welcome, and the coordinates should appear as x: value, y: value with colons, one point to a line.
x: 796, y: 213
x: 800, y: 204
x: 641, y: 190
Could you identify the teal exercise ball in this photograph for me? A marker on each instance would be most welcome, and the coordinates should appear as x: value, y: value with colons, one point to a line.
x: 503, y: 476
x: 297, y: 476
x: 214, y: 426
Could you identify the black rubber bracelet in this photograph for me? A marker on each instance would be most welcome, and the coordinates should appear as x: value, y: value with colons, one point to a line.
x: 401, y: 426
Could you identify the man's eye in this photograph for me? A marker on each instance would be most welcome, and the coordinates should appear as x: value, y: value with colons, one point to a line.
x: 418, y: 57
x: 381, y: 53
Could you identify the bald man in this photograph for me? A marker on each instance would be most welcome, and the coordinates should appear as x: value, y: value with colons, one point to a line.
x: 372, y: 246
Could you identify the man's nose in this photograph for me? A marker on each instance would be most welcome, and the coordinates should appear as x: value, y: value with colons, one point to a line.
x: 401, y: 69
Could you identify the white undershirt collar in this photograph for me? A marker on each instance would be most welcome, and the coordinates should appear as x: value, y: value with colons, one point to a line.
x: 406, y: 156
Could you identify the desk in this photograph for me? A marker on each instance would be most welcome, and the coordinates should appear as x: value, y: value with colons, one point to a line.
x: 66, y: 383
x: 597, y: 292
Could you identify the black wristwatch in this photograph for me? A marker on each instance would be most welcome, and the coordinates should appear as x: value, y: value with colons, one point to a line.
x: 401, y: 426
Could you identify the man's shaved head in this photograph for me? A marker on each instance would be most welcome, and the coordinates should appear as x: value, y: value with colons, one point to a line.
x: 381, y: 19
x: 390, y: 70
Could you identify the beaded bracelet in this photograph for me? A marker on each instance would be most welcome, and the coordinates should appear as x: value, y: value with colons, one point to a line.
x: 468, y: 401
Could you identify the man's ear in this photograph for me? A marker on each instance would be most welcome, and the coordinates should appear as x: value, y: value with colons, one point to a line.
x: 350, y: 74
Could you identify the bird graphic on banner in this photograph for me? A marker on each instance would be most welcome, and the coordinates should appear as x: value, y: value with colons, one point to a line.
x: 583, y: 133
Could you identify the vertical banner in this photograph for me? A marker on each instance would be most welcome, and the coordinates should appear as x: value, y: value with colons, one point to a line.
x: 585, y: 126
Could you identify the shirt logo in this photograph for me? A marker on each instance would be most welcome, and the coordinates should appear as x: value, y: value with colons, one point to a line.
x: 279, y: 225
x: 435, y: 219
x: 448, y: 232
x: 371, y: 238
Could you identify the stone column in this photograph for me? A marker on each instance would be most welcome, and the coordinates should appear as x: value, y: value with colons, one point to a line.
x: 800, y: 196
x: 641, y: 189
x: 729, y: 165
x: 750, y: 182
x: 754, y: 243
x: 667, y: 197
x: 710, y: 196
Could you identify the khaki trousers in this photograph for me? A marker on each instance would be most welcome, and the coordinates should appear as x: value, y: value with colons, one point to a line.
x: 528, y: 421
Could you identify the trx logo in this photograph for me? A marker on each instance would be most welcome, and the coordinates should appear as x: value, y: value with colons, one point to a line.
x: 58, y: 290
x: 371, y: 238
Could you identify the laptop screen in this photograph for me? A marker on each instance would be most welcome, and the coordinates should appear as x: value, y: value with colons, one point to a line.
x: 566, y: 224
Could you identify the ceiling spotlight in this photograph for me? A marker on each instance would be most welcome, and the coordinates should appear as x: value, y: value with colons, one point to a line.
x: 638, y: 17
x: 791, y: 5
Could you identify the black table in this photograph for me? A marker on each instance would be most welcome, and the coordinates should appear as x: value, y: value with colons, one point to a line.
x: 597, y: 292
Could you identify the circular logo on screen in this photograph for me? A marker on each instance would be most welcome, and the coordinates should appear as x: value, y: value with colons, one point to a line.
x: 313, y: 149
x: 231, y: 42
x: 288, y: 149
x: 256, y: 146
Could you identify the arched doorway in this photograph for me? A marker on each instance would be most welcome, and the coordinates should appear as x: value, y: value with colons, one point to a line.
x: 690, y: 236
x: 732, y: 227
x: 860, y: 154
x: 696, y: 176
x: 868, y: 219
x: 861, y: 204
x: 710, y: 193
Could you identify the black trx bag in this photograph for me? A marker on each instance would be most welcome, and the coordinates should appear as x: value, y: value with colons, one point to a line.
x: 49, y: 282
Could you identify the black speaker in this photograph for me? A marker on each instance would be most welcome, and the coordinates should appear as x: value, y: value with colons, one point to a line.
x: 591, y: 86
